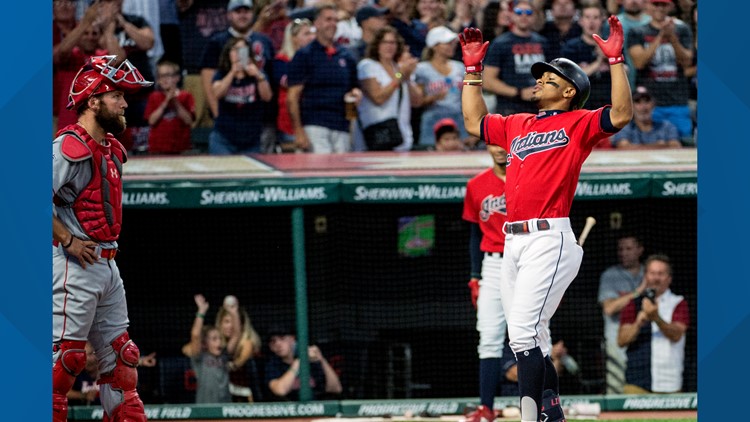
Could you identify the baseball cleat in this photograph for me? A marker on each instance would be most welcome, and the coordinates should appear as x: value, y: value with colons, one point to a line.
x: 481, y: 414
x: 551, y: 409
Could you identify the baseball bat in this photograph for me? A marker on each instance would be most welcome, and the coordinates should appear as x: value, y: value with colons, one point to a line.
x: 590, y: 221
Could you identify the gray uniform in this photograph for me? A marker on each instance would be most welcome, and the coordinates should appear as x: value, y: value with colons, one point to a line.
x: 87, y: 304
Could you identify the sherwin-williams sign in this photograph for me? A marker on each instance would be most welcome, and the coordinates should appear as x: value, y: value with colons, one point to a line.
x: 380, y: 190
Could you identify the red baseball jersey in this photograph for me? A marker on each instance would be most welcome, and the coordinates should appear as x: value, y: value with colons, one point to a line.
x: 484, y: 204
x: 545, y: 155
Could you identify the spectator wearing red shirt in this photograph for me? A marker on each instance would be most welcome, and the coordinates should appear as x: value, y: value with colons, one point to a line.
x: 653, y: 327
x: 170, y: 112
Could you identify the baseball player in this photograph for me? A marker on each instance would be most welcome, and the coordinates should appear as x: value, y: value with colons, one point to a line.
x: 545, y: 154
x: 88, y: 298
x: 484, y: 208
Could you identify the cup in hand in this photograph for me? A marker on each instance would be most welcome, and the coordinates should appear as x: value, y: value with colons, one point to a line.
x: 350, y: 104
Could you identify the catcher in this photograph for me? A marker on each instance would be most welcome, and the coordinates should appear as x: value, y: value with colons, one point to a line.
x: 88, y: 298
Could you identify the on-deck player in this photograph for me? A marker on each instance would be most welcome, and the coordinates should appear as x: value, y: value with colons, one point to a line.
x: 484, y: 208
x: 545, y: 155
x: 88, y: 298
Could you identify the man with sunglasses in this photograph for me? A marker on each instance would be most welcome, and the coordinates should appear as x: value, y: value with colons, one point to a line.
x: 545, y: 153
x: 509, y: 60
x: 88, y: 297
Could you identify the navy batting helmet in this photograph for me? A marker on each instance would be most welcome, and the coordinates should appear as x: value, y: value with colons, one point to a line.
x: 571, y: 72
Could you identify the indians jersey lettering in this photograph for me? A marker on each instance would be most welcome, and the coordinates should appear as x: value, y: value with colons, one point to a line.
x: 545, y: 155
x: 538, y: 142
x: 484, y: 204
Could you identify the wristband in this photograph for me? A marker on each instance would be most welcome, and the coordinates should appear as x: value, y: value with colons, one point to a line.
x: 69, y: 243
x: 615, y: 60
x: 518, y: 94
x: 200, y: 315
x: 474, y: 69
x: 636, y: 295
x: 472, y: 82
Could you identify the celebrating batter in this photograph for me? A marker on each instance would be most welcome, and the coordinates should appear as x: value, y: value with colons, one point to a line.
x: 545, y: 155
x: 88, y: 298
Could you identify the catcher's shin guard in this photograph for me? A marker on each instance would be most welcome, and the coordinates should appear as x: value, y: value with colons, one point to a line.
x: 551, y: 409
x: 69, y: 364
x: 125, y: 378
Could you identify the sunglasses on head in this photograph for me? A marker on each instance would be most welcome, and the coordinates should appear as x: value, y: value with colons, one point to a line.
x: 518, y: 11
x: 300, y: 22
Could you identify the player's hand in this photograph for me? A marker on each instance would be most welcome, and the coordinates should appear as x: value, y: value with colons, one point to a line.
x: 84, y: 250
x: 474, y: 288
x: 612, y: 47
x: 473, y: 49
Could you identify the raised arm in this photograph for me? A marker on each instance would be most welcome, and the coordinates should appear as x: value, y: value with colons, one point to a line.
x: 472, y: 102
x: 193, y: 348
x: 622, y: 100
x: 63, y: 49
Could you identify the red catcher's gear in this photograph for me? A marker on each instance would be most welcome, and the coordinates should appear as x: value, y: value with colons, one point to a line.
x: 99, y: 75
x: 99, y: 205
x: 125, y: 378
x: 69, y: 364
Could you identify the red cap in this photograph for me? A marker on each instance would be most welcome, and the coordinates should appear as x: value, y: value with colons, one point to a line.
x: 444, y: 123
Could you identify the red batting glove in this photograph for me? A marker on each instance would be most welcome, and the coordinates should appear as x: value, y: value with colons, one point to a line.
x: 474, y: 287
x: 612, y: 48
x: 473, y: 49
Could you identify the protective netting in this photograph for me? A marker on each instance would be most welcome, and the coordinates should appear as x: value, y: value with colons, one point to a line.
x: 388, y: 302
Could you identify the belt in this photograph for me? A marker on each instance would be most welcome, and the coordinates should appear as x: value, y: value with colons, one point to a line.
x: 494, y: 254
x: 105, y: 253
x: 523, y: 227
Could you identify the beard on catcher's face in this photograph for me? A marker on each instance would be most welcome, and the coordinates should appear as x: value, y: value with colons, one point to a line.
x: 111, y: 122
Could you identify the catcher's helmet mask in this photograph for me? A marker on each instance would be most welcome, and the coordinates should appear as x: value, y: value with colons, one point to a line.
x: 569, y: 71
x: 99, y: 76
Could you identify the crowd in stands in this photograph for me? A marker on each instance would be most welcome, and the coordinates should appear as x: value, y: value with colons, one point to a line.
x: 271, y: 76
